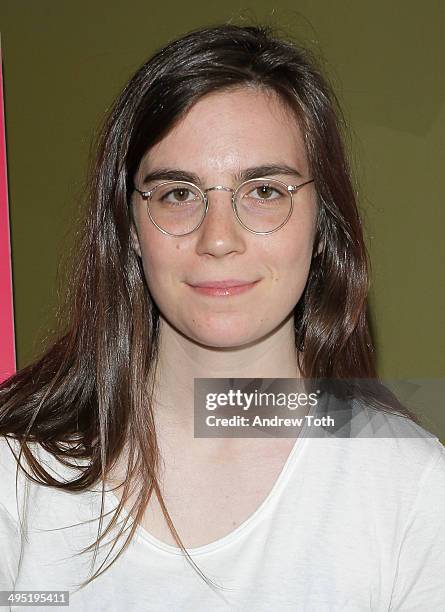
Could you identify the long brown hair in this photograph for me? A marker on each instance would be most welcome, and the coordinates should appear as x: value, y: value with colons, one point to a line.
x: 87, y: 396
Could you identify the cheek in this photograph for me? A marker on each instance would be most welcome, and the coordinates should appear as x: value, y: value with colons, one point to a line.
x: 165, y: 263
x: 289, y: 277
x: 294, y: 282
x: 290, y: 262
x: 158, y: 263
x: 292, y: 255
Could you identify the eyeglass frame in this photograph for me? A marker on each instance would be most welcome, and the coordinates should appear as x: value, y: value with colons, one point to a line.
x: 146, y: 195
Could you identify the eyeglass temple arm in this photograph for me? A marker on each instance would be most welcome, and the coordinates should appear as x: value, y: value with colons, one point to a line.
x: 293, y: 188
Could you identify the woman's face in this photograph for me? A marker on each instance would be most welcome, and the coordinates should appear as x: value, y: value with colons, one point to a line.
x: 223, y: 134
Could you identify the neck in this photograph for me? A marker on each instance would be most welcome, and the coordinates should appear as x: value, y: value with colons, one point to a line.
x: 181, y: 360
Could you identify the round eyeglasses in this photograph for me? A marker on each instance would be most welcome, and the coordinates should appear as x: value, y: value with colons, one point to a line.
x: 261, y: 206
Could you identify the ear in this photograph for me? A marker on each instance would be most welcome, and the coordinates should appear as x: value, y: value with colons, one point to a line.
x: 135, y: 240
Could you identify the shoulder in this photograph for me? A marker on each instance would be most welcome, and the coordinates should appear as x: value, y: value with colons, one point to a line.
x: 408, y: 456
x: 10, y: 479
x: 15, y: 485
x: 382, y: 446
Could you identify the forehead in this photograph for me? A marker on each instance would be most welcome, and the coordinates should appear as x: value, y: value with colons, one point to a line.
x: 226, y: 131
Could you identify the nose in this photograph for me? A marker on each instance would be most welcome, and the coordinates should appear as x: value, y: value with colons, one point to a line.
x: 220, y: 233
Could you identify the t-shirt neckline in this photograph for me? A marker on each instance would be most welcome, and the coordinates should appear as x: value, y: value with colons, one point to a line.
x: 142, y: 534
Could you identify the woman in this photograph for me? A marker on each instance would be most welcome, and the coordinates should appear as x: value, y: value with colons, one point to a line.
x: 221, y: 240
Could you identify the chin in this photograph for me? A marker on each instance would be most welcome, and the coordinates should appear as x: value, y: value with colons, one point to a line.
x: 226, y: 332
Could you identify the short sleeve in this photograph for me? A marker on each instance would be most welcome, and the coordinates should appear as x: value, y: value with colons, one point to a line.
x: 10, y: 550
x: 420, y: 579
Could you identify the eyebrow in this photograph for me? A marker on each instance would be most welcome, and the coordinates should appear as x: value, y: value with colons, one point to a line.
x: 175, y: 174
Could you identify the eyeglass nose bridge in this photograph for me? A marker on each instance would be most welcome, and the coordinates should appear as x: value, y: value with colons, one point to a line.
x: 218, y: 188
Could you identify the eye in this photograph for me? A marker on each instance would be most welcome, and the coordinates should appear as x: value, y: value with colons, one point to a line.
x: 180, y: 194
x: 265, y: 192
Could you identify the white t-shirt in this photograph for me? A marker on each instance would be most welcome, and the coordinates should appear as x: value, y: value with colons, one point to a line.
x: 350, y: 524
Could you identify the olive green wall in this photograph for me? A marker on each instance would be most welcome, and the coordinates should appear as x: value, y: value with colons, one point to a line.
x: 64, y: 62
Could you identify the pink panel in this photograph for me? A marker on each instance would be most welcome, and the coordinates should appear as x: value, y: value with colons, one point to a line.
x: 7, y: 345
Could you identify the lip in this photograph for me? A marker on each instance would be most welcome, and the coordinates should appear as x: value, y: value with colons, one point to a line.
x: 223, y: 288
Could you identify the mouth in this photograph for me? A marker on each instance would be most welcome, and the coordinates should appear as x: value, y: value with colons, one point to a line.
x: 223, y: 288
